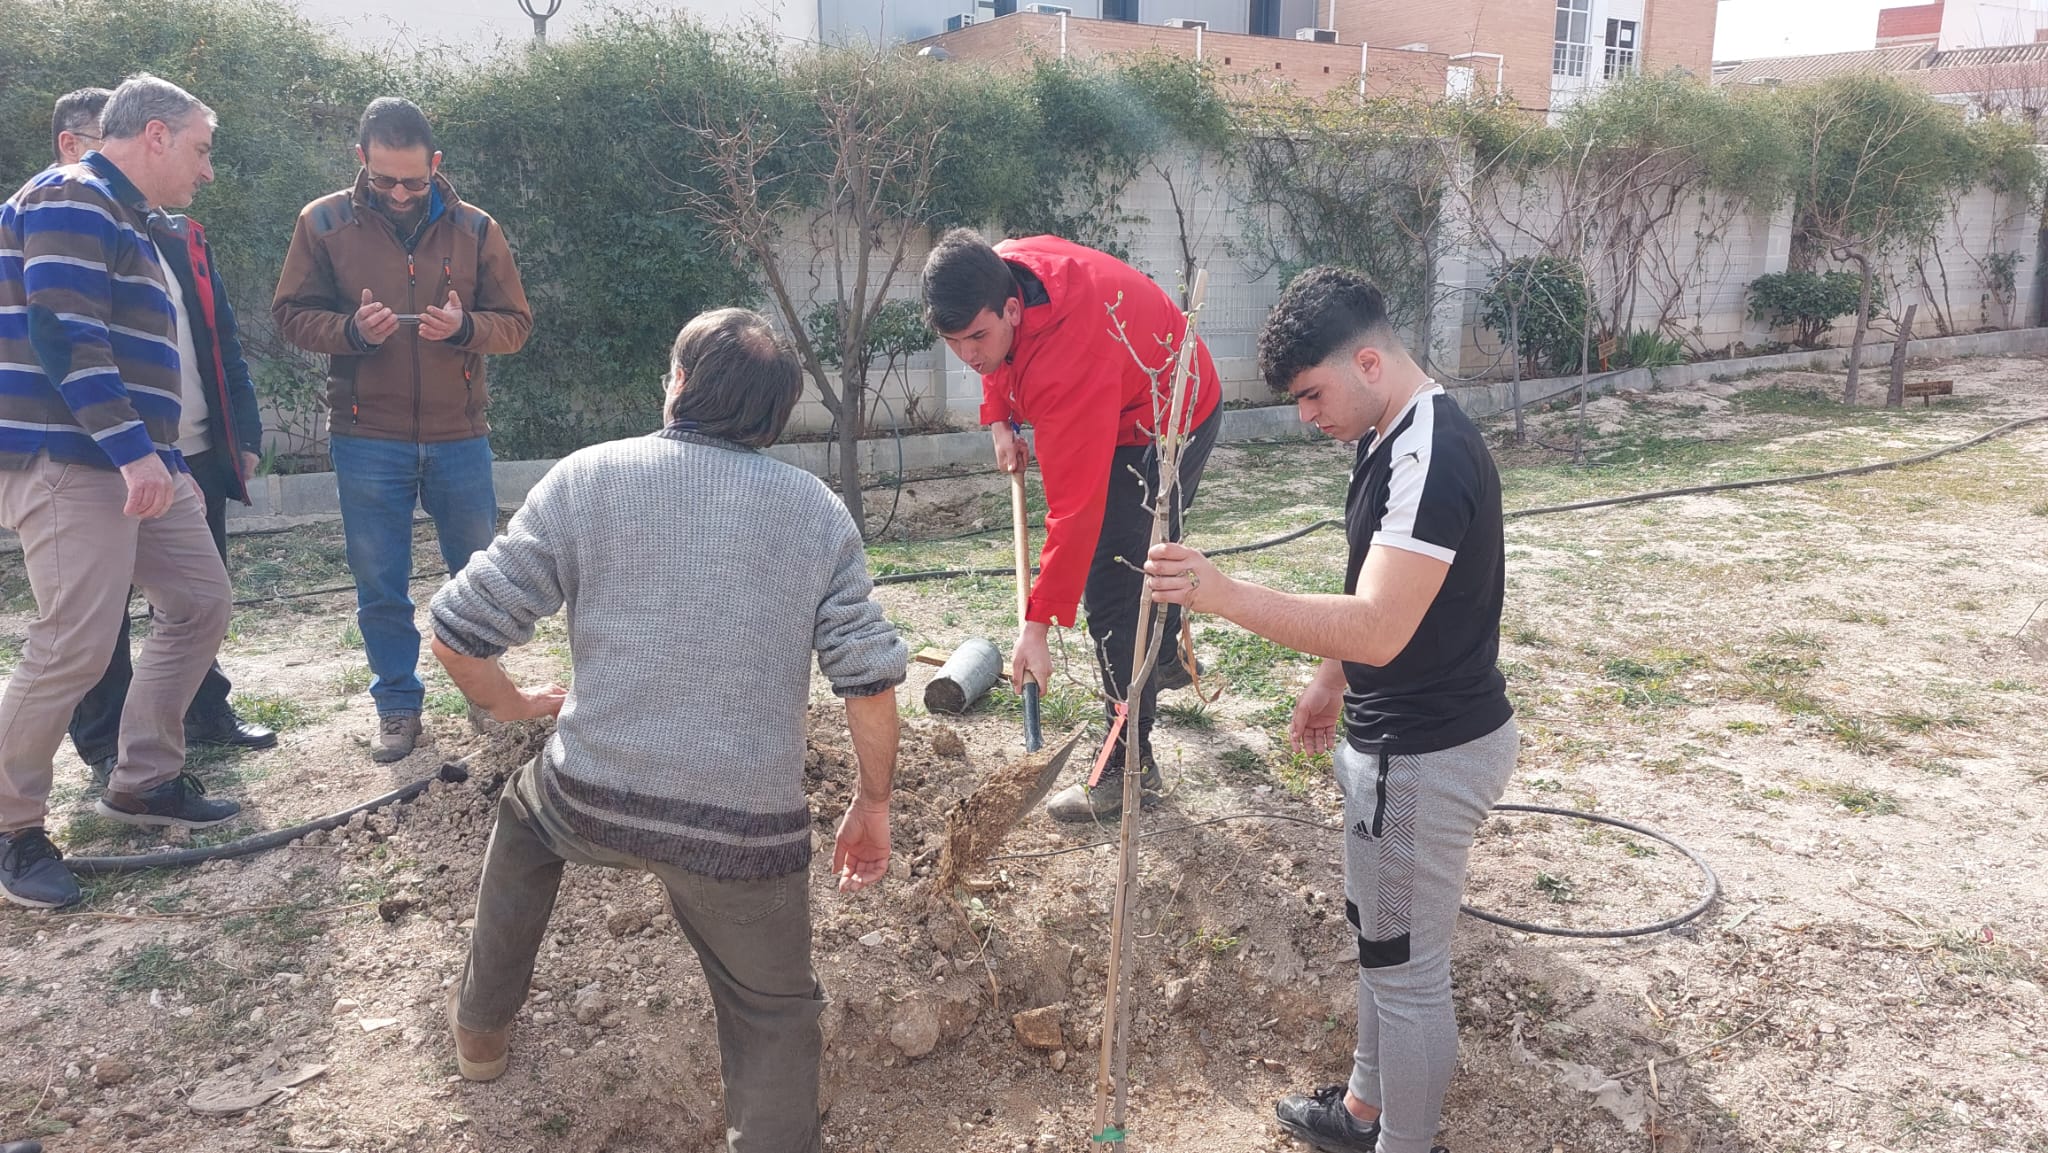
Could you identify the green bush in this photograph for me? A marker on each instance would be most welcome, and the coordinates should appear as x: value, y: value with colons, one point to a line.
x: 1551, y: 296
x: 1647, y: 348
x: 1809, y: 301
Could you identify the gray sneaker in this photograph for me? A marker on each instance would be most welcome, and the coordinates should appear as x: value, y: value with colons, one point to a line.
x: 397, y: 733
x: 1079, y: 804
x: 102, y: 771
x: 32, y: 871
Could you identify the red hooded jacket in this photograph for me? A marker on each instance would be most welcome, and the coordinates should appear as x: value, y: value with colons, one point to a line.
x: 1084, y: 393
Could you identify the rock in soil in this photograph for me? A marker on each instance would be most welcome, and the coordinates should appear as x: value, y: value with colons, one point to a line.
x: 1040, y: 1028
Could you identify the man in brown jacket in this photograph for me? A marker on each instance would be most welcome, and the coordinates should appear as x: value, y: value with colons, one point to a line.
x: 406, y: 288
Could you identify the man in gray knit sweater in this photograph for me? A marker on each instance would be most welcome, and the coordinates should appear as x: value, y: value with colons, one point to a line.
x: 700, y: 576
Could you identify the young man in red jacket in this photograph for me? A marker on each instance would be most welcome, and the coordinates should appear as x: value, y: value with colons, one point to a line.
x: 1039, y: 319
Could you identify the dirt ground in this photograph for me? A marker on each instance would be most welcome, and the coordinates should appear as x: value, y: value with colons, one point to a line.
x: 1831, y: 691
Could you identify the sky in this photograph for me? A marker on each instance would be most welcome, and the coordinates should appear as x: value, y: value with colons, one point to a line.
x: 1752, y: 28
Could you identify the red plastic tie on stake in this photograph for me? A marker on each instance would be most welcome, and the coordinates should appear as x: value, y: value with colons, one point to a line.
x: 1108, y: 746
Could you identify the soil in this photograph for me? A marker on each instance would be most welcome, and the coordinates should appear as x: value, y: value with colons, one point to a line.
x: 1832, y: 692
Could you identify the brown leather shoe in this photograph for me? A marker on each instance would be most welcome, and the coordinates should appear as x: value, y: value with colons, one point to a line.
x: 478, y: 1056
x: 397, y: 733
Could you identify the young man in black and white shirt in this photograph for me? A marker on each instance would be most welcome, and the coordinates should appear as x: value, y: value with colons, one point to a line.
x: 1410, y: 661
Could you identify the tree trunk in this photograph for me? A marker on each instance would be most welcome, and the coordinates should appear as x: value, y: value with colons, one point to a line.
x: 849, y: 465
x: 1515, y: 359
x: 1862, y: 328
x: 1895, y: 397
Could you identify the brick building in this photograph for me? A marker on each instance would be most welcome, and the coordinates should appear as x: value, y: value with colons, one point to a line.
x: 1553, y: 52
x: 1250, y: 65
x: 1545, y: 53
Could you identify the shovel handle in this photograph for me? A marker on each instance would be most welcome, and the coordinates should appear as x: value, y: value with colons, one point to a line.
x: 1033, y: 740
x: 1021, y: 532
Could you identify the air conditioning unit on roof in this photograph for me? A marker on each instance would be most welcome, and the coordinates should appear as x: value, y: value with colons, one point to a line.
x: 956, y: 23
x: 1047, y: 9
x: 1185, y: 22
x: 1319, y: 35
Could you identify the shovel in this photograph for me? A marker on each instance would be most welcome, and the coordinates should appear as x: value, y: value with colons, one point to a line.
x: 1034, y: 740
x: 979, y: 822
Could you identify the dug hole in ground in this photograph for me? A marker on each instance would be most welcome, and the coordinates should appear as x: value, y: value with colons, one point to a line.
x: 1833, y: 691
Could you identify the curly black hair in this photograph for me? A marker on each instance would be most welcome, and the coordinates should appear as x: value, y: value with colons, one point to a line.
x: 1325, y: 310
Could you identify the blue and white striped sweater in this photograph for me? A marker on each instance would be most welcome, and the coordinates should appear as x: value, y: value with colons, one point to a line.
x: 89, y: 368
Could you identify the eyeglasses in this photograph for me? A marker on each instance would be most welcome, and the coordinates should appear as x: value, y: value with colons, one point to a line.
x: 387, y: 183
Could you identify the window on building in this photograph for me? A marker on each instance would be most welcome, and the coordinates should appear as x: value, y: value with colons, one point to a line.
x: 1006, y: 7
x: 1265, y: 18
x: 1574, y: 29
x: 1126, y: 10
x: 1622, y: 58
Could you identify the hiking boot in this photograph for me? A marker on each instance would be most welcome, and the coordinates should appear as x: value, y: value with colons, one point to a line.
x: 21, y: 1147
x: 1322, y: 1120
x: 1173, y: 674
x: 180, y: 801
x: 229, y: 730
x: 102, y: 770
x: 397, y: 733
x: 1077, y: 803
x: 32, y: 871
x: 478, y: 1056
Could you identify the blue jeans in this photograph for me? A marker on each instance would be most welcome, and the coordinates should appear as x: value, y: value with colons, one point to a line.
x: 380, y: 482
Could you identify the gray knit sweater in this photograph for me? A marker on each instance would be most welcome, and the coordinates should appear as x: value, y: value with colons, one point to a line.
x: 699, y: 577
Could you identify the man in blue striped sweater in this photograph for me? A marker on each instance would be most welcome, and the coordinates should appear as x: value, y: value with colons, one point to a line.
x: 92, y: 348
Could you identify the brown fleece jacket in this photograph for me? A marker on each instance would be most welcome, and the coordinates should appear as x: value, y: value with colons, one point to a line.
x: 407, y: 388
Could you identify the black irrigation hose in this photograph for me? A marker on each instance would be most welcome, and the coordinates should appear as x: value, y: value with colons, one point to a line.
x: 452, y: 773
x: 1577, y: 506
x: 1708, y: 895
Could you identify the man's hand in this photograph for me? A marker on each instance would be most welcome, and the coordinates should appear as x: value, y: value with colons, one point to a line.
x: 444, y: 322
x: 1013, y: 452
x: 250, y: 463
x: 1179, y: 575
x: 1032, y: 658
x: 860, y: 852
x: 374, y: 322
x: 151, y: 492
x: 1314, y: 727
x: 531, y: 703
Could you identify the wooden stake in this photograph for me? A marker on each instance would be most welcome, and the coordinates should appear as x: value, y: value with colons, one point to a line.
x: 1111, y: 1086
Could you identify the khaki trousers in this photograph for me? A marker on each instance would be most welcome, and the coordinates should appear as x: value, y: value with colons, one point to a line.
x: 82, y: 554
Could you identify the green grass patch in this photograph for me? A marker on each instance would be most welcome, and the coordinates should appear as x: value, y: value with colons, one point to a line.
x: 280, y: 713
x: 1864, y: 738
x: 1648, y: 683
x: 1748, y: 728
x: 153, y: 966
x: 1560, y: 890
x: 1862, y: 800
x: 447, y: 703
x: 1248, y: 663
x: 1189, y: 714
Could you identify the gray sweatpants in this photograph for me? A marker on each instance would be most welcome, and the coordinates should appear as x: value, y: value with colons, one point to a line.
x: 1409, y: 822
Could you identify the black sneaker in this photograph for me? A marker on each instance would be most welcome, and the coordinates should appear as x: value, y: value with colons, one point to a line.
x: 32, y: 871
x: 178, y: 801
x: 1078, y: 804
x: 1173, y: 674
x: 102, y: 771
x: 1322, y: 1120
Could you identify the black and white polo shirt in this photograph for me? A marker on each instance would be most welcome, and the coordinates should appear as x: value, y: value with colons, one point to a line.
x: 1428, y: 485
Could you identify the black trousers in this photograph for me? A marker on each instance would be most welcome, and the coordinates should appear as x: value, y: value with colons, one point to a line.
x: 96, y: 723
x: 1115, y: 585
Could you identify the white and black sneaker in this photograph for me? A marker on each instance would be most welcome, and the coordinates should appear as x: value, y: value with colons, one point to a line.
x: 1321, y: 1119
x: 32, y: 871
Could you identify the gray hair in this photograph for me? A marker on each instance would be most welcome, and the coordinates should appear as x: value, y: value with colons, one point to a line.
x: 142, y: 98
